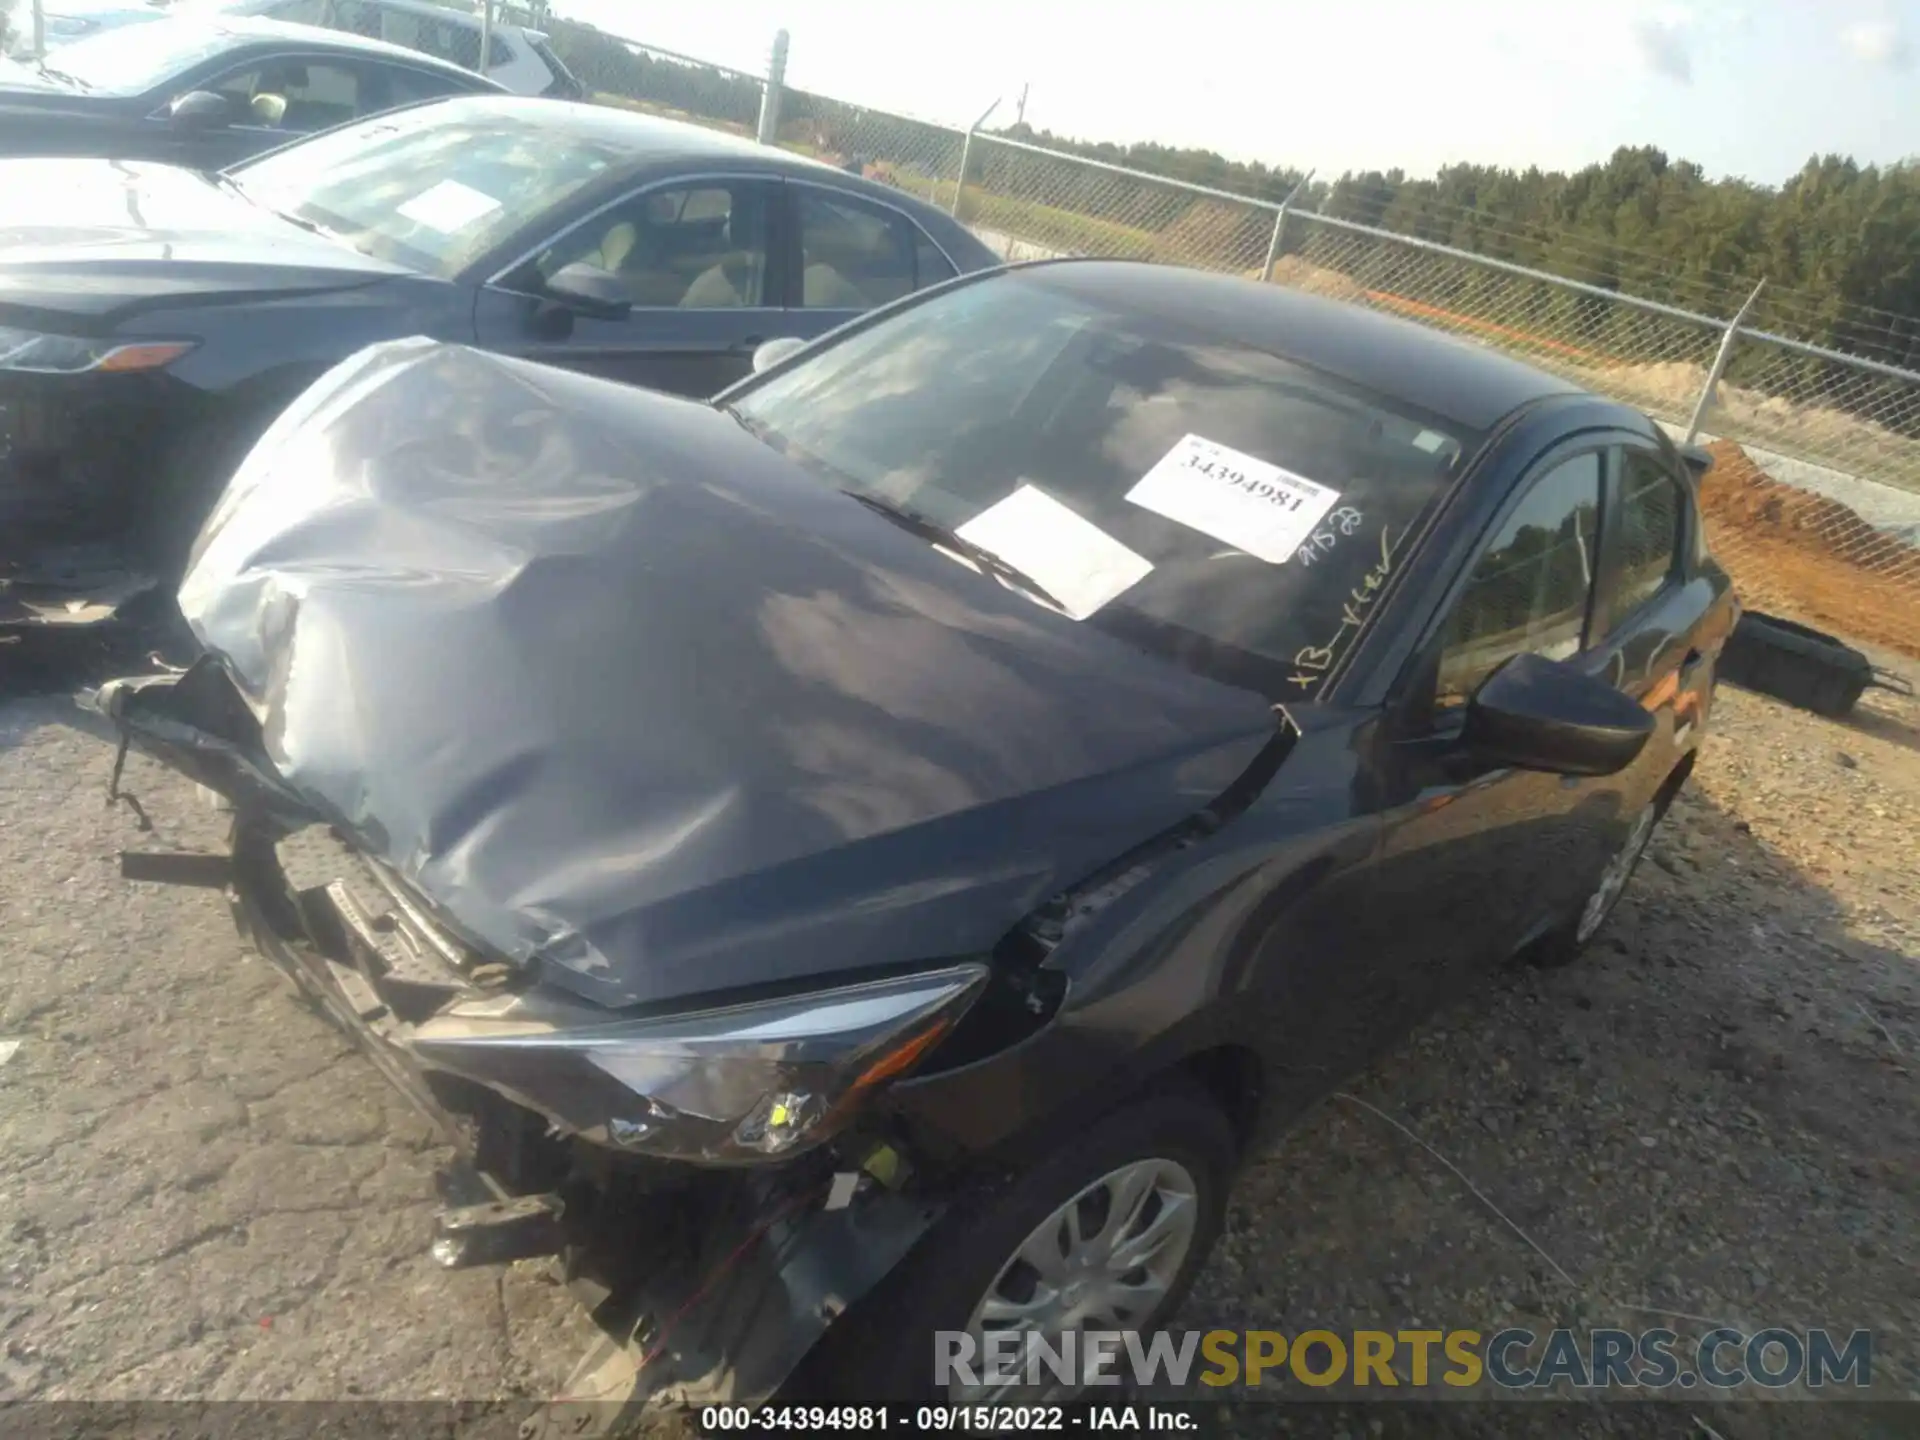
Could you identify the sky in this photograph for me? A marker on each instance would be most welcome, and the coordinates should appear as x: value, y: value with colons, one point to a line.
x: 1748, y: 88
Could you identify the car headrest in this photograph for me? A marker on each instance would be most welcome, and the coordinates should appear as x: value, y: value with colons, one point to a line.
x: 617, y: 245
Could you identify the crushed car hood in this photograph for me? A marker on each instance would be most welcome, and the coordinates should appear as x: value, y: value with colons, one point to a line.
x: 92, y: 240
x: 625, y: 693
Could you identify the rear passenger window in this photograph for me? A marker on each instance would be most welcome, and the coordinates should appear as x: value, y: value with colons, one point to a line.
x: 852, y: 256
x: 697, y: 248
x: 1642, y: 553
x: 385, y: 86
x: 855, y: 256
x: 931, y: 265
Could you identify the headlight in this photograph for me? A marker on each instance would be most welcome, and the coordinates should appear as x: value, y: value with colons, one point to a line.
x: 28, y: 350
x: 743, y: 1083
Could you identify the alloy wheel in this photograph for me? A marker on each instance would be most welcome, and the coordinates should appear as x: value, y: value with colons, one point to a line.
x: 1613, y: 880
x: 1105, y: 1260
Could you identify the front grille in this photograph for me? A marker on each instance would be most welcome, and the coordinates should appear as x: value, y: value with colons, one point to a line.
x: 362, y: 920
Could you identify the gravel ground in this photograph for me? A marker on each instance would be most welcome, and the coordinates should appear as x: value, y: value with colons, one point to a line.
x: 204, y: 1194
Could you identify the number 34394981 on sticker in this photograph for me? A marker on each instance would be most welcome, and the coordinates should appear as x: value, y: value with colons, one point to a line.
x: 1236, y: 498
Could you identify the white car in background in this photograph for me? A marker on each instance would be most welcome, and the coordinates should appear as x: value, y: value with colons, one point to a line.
x: 518, y: 58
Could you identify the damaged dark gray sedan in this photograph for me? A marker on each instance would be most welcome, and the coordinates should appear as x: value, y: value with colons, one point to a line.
x: 866, y: 856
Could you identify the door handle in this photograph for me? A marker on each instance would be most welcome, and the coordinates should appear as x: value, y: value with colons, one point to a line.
x: 1689, y: 665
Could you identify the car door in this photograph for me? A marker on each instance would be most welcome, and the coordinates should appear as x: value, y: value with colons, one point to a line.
x: 694, y: 258
x: 1476, y: 858
x: 851, y: 254
x: 1649, y: 611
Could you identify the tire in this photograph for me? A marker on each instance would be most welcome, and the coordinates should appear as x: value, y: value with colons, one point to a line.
x: 1805, y: 667
x: 884, y: 1347
x: 1563, y: 946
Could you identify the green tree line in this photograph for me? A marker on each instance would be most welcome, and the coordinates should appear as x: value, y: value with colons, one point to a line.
x: 1838, y: 244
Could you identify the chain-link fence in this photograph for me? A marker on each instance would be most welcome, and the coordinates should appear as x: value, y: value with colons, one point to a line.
x: 1064, y: 204
x: 622, y: 72
x: 917, y: 156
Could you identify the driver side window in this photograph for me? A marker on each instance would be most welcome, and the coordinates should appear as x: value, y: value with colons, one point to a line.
x: 292, y: 95
x: 1530, y: 591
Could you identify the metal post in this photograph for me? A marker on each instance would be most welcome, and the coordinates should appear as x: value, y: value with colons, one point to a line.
x: 1280, y: 225
x: 39, y: 30
x: 767, y: 132
x: 486, y: 36
x: 966, y: 151
x: 1719, y: 363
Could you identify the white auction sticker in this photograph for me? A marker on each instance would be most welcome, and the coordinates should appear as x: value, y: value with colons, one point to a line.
x: 1239, y: 498
x: 1077, y: 562
x: 448, y: 206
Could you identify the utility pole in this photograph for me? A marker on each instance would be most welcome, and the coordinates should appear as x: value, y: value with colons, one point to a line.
x: 767, y: 131
x: 1020, y: 110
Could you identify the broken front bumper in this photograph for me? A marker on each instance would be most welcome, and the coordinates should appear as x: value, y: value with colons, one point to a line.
x: 711, y: 1284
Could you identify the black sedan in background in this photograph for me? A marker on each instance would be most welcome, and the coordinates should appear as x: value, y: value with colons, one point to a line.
x: 873, y: 852
x: 210, y: 91
x: 153, y: 320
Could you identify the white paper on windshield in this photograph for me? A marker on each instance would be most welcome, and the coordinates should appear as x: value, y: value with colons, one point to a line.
x: 1241, y: 499
x: 448, y: 207
x: 1077, y: 562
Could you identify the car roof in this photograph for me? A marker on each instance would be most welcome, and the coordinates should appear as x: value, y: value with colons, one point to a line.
x: 436, y: 9
x: 1453, y: 380
x: 645, y: 138
x: 257, y: 29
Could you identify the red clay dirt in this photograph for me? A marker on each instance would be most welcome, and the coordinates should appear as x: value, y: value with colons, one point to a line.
x: 1799, y: 554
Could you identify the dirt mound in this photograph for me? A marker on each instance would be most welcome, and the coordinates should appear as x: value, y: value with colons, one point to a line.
x: 1796, y: 552
x: 1209, y: 227
x: 1738, y: 492
x: 1851, y: 440
x: 1293, y: 271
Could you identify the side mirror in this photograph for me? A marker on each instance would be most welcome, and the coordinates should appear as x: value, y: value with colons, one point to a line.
x: 199, y: 110
x: 1699, y: 460
x: 774, y: 351
x: 1539, y: 714
x: 590, y: 290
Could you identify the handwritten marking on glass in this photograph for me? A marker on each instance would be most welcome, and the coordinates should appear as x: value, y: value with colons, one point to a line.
x: 1343, y: 521
x: 1312, y: 662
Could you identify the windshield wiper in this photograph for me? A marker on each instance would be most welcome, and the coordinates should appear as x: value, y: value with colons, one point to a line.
x: 63, y: 77
x: 934, y: 532
x: 292, y: 219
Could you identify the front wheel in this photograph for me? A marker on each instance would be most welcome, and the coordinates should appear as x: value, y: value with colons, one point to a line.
x: 1565, y: 945
x: 1104, y: 1235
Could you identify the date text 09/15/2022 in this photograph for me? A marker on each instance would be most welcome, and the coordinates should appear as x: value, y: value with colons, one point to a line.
x: 951, y: 1419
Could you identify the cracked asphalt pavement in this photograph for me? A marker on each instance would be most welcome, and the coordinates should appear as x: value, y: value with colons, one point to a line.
x: 204, y: 1191
x: 205, y: 1194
